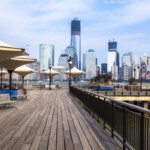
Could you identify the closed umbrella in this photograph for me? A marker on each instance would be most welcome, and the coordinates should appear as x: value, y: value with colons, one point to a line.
x: 23, y: 71
x: 12, y: 63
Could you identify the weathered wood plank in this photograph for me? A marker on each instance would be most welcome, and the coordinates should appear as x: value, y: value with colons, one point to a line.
x: 47, y: 120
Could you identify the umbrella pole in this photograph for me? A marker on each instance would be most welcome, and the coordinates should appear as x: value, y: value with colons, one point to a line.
x: 10, y: 80
x: 1, y: 78
x: 74, y: 80
x: 23, y: 82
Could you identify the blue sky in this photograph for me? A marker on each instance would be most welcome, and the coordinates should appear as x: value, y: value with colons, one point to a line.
x: 35, y: 22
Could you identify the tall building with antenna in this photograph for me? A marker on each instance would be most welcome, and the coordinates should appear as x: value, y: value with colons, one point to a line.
x: 76, y: 40
x: 112, y: 55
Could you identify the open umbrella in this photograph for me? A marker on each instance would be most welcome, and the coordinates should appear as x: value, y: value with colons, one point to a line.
x: 23, y: 71
x: 8, y: 51
x: 74, y: 72
x: 50, y: 73
x: 12, y: 63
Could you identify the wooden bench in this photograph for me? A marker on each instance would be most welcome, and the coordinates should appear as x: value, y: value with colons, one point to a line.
x: 5, y: 100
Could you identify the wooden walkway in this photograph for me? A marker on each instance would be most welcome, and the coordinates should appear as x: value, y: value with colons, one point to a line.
x: 48, y: 120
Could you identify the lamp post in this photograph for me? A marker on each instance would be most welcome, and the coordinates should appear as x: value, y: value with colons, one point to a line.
x: 134, y: 72
x: 1, y: 78
x: 141, y: 68
x: 50, y: 67
x: 70, y: 62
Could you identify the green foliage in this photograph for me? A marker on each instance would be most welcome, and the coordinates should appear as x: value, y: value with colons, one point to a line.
x: 132, y: 81
x: 105, y: 77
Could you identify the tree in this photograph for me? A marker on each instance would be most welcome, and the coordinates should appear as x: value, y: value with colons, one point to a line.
x: 106, y: 77
x: 132, y: 81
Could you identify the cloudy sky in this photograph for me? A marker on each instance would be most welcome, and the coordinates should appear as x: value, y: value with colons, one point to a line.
x: 34, y: 22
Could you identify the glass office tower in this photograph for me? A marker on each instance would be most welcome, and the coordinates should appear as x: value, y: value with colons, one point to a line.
x: 70, y: 51
x: 90, y: 64
x: 113, y: 55
x: 46, y: 56
x: 63, y: 61
x: 76, y: 40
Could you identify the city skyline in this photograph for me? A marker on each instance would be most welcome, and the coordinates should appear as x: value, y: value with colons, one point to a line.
x: 48, y: 22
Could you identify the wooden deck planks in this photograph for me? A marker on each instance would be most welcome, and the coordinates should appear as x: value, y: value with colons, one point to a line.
x: 48, y: 120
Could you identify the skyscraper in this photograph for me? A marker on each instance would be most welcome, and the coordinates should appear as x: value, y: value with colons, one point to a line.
x: 84, y: 62
x: 70, y: 51
x: 126, y: 59
x: 63, y: 61
x: 46, y: 56
x: 113, y: 55
x: 76, y: 40
x: 103, y: 68
x: 143, y: 60
x: 90, y: 64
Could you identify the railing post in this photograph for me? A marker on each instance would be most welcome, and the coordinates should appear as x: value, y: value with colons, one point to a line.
x: 142, y: 132
x: 104, y: 113
x: 124, y: 127
x: 112, y: 117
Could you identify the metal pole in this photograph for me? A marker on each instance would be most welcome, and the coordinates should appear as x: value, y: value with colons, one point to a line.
x: 23, y: 82
x: 10, y: 73
x: 1, y: 78
x: 124, y: 127
x: 49, y: 83
x: 69, y: 76
x: 142, y: 131
x: 141, y: 79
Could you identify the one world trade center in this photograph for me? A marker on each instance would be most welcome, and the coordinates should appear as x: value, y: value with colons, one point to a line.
x: 76, y: 40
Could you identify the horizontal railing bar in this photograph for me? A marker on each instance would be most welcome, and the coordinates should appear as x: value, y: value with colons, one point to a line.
x: 118, y: 101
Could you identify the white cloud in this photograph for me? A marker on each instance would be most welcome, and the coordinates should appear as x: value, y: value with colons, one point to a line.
x: 48, y: 21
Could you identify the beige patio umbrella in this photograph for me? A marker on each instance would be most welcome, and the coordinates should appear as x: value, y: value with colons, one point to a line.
x: 23, y: 71
x: 12, y: 63
x: 74, y: 72
x: 50, y: 73
x: 8, y: 51
x: 2, y: 72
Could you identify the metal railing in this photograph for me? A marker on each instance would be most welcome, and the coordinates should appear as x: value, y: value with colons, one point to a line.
x: 127, y: 122
x: 121, y: 90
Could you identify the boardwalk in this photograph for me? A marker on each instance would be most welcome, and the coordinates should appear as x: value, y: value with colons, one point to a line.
x: 47, y: 120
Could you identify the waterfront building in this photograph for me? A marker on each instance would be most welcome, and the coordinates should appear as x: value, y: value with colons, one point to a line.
x: 125, y: 72
x: 136, y: 59
x: 103, y: 68
x: 126, y: 59
x: 97, y: 70
x: 84, y: 62
x: 46, y: 56
x: 63, y: 61
x: 90, y: 64
x: 148, y: 60
x: 70, y: 51
x: 112, y: 55
x: 143, y: 60
x: 35, y: 75
x: 111, y: 60
x: 60, y: 77
x: 76, y: 40
x: 114, y: 70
